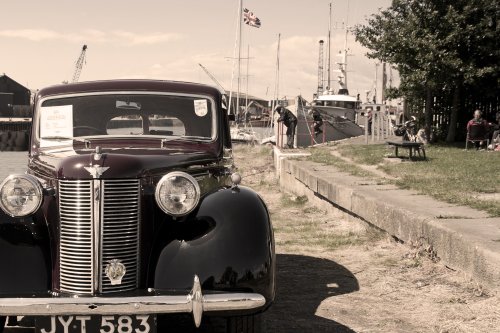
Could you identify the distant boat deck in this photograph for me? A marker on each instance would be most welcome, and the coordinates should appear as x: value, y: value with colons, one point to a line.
x: 14, y: 119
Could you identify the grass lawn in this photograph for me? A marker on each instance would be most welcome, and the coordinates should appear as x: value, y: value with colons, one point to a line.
x: 451, y: 174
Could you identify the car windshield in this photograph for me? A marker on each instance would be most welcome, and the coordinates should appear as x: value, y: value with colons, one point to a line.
x: 126, y: 115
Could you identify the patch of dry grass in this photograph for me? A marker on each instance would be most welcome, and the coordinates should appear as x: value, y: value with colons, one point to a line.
x: 451, y: 174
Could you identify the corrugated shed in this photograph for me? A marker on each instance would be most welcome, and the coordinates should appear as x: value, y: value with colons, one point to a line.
x: 12, y: 94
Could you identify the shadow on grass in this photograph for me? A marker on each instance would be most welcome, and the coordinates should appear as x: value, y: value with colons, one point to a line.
x: 302, y: 284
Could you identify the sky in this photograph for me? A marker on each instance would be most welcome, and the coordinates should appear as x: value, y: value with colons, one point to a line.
x: 40, y: 42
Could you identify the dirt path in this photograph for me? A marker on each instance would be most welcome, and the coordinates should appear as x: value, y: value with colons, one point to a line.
x: 340, y: 276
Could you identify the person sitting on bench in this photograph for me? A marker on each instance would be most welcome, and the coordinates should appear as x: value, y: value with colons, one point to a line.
x: 477, y: 131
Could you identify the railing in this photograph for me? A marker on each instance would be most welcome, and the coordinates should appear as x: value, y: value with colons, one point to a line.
x: 381, y: 127
x: 313, y: 139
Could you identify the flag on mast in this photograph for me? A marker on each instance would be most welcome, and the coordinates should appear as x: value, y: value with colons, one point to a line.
x: 250, y: 18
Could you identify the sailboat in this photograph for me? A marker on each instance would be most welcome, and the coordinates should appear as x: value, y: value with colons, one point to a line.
x: 240, y: 133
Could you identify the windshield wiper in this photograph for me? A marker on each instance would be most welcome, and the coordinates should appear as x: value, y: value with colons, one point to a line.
x: 165, y: 140
x: 193, y: 138
x: 65, y: 138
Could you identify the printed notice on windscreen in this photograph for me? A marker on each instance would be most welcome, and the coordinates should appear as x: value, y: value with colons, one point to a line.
x: 56, y: 122
x: 200, y: 107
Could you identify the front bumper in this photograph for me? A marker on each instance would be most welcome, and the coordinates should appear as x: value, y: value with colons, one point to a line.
x: 195, y: 302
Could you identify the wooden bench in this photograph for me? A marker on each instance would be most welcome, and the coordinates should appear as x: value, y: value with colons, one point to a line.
x: 411, y: 146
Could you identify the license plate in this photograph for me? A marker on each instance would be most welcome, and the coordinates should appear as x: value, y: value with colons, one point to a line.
x: 96, y: 324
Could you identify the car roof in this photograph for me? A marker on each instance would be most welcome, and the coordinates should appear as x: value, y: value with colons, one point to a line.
x: 129, y: 85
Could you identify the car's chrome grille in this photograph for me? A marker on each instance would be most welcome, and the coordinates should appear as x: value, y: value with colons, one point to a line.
x: 120, y: 231
x: 76, y: 241
x: 99, y: 223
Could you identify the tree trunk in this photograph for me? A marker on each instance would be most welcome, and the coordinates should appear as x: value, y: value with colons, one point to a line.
x: 428, y: 112
x: 452, y: 128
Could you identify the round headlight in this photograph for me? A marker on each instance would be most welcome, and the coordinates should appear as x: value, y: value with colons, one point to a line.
x: 20, y: 195
x: 177, y: 193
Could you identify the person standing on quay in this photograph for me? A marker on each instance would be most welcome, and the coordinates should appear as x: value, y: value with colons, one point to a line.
x: 317, y: 121
x: 369, y: 116
x: 290, y: 121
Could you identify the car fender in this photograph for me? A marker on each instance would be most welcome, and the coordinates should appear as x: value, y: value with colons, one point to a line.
x: 24, y: 256
x: 233, y: 251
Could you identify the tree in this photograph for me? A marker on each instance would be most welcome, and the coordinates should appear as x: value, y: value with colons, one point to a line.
x: 439, y: 47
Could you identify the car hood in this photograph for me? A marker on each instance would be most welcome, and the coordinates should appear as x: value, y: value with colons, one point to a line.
x: 116, y: 163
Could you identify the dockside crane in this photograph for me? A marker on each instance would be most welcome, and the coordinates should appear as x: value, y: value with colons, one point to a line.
x: 79, y: 64
x: 217, y: 83
x: 213, y: 78
x: 321, y: 71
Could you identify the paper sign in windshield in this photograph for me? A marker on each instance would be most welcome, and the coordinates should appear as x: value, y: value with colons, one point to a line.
x: 200, y: 107
x: 56, y: 121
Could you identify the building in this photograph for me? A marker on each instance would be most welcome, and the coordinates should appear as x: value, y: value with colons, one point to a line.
x: 15, y: 115
x: 14, y: 98
x: 250, y: 106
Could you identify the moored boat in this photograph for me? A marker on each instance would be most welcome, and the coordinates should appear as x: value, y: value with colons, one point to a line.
x: 339, y: 105
x: 336, y: 125
x: 338, y: 109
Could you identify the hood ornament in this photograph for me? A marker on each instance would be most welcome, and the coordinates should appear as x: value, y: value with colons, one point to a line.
x: 98, y: 153
x: 115, y: 271
x: 96, y: 171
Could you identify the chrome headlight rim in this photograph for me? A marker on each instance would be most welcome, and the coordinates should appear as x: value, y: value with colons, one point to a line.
x: 185, y: 175
x: 36, y: 186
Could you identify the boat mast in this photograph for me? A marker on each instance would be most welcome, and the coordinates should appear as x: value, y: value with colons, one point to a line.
x: 342, y: 78
x: 329, y: 87
x: 277, y: 74
x: 240, y: 28
x: 247, y: 76
x: 345, y: 47
x: 237, y: 42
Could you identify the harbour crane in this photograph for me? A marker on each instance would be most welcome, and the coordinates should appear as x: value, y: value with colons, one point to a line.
x: 79, y: 64
x: 217, y: 83
x: 213, y: 78
x: 320, y: 69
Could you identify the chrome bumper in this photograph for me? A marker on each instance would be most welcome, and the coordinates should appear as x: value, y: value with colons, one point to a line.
x: 195, y: 302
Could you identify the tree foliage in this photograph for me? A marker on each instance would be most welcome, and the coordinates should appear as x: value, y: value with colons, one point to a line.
x: 438, y: 46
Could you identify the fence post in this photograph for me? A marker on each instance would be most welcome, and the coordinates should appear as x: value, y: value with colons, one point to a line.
x: 378, y: 126
x: 366, y: 129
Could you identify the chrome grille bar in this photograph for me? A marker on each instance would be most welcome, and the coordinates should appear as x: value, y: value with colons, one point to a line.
x: 99, y: 223
x: 120, y: 232
x: 76, y: 240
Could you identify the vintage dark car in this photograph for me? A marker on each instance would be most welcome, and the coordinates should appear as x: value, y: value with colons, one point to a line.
x: 129, y: 210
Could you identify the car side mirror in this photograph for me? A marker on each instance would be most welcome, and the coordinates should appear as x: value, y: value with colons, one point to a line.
x: 231, y: 117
